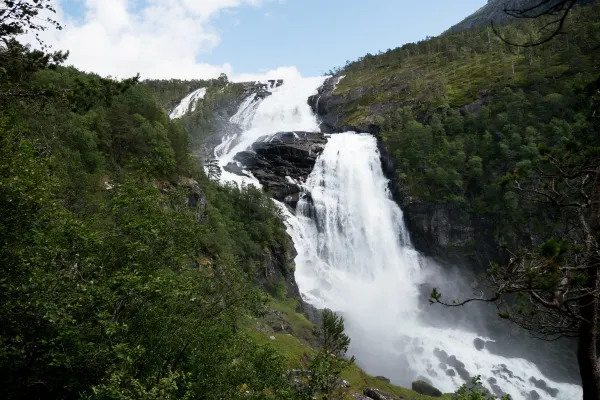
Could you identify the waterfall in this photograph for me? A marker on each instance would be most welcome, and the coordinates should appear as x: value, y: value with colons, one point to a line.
x: 355, y: 257
x: 188, y: 103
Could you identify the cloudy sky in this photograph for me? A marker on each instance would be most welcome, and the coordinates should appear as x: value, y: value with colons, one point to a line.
x: 246, y: 39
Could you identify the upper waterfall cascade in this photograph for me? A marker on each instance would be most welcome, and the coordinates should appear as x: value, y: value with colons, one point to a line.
x: 355, y: 257
x: 188, y: 103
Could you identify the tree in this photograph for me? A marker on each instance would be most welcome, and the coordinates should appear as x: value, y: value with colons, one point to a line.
x: 330, y: 361
x: 556, y: 11
x: 476, y: 391
x: 553, y: 289
x: 21, y: 16
x: 213, y: 170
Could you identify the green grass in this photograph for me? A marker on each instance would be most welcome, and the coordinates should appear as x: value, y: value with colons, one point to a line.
x: 285, y: 344
x: 301, y: 327
x: 297, y: 347
x: 359, y: 381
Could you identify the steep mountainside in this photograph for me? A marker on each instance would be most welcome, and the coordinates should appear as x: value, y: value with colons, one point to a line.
x: 494, y: 11
x: 455, y: 114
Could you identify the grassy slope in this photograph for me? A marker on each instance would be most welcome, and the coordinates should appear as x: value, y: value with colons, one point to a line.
x: 296, y: 347
x: 454, y: 69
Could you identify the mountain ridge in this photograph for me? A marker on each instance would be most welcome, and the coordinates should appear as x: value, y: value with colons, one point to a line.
x: 494, y: 11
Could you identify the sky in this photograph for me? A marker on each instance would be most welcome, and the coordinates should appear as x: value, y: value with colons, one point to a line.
x: 246, y: 39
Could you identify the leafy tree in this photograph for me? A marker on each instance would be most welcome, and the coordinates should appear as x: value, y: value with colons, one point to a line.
x: 330, y: 361
x: 476, y: 391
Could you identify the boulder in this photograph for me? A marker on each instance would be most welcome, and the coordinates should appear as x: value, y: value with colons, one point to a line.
x: 342, y: 384
x: 358, y: 396
x: 383, y: 378
x: 425, y: 388
x: 377, y: 394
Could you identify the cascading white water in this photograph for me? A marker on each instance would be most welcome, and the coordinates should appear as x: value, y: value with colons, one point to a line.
x: 188, y: 103
x: 286, y: 109
x: 355, y: 257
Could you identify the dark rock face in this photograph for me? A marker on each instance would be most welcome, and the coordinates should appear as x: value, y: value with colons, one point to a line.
x: 276, y: 269
x: 533, y: 395
x: 425, y: 388
x: 441, y: 355
x: 285, y: 154
x: 332, y: 108
x: 459, y: 366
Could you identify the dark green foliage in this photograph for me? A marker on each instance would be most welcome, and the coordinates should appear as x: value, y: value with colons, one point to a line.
x: 114, y: 284
x: 213, y: 170
x: 476, y: 391
x: 466, y: 114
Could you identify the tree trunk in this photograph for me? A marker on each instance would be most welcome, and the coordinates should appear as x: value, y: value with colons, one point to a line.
x: 586, y: 347
x: 588, y: 306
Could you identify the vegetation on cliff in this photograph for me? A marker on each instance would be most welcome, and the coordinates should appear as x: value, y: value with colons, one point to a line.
x: 125, y: 271
x: 459, y: 111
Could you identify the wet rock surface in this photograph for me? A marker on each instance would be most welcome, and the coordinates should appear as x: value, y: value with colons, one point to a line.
x: 542, y: 385
x: 283, y: 161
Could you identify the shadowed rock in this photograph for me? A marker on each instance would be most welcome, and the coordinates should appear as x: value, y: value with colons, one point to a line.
x: 377, y: 394
x: 541, y: 384
x: 479, y: 343
x: 282, y: 161
x: 425, y: 388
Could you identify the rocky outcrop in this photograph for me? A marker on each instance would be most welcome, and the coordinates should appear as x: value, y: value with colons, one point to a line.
x: 282, y: 161
x: 333, y: 108
x: 377, y: 394
x: 425, y: 388
x: 278, y: 269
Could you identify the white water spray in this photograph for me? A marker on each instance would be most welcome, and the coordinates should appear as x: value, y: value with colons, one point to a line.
x: 355, y: 257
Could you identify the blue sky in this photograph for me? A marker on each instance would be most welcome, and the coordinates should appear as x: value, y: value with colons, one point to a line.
x: 243, y: 38
x: 317, y: 35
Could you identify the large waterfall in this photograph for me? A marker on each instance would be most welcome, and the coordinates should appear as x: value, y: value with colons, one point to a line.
x: 355, y: 257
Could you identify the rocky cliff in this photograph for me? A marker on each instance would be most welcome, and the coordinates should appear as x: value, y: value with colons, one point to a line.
x: 281, y: 162
x: 438, y: 229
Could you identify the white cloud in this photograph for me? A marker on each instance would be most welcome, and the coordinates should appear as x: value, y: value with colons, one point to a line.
x: 157, y: 38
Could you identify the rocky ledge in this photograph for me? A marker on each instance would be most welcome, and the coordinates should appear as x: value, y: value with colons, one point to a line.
x: 281, y: 162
